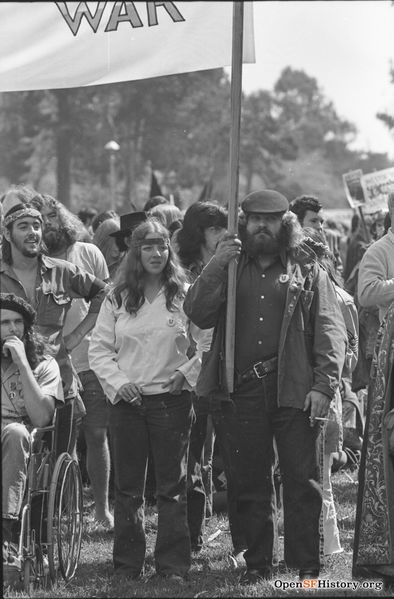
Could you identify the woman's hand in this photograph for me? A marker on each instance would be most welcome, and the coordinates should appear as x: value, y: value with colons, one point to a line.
x: 175, y: 383
x: 130, y: 393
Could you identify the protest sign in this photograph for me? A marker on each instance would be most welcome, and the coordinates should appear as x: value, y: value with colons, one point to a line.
x: 353, y: 189
x: 376, y: 187
x: 47, y: 45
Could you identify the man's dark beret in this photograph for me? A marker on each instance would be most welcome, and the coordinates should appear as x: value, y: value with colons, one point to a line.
x: 10, y: 301
x: 266, y: 200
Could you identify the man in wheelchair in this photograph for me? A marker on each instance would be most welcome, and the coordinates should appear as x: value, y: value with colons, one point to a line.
x: 31, y: 388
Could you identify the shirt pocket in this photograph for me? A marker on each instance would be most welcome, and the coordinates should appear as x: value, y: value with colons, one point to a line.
x: 53, y: 307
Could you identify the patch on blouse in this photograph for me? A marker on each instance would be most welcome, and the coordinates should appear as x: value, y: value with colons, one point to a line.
x: 283, y: 278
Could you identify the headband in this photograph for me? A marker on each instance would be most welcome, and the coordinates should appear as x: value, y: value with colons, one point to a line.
x: 20, y: 211
x: 151, y: 241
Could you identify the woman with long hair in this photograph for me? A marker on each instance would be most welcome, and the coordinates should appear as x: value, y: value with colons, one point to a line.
x: 139, y: 353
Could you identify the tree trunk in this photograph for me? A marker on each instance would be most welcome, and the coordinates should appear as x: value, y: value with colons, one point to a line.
x: 63, y: 147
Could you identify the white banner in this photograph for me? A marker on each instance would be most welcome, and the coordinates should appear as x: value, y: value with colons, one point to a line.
x: 377, y: 187
x: 47, y: 45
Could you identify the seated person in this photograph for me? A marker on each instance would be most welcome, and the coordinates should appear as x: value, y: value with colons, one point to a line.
x: 31, y: 386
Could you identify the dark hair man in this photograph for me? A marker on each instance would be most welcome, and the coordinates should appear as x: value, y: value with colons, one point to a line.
x: 204, y: 224
x: 31, y: 386
x: 309, y: 211
x: 290, y: 343
x: 61, y: 233
x: 48, y: 284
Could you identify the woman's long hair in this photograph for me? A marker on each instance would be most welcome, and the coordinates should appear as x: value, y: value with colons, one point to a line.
x: 129, y: 284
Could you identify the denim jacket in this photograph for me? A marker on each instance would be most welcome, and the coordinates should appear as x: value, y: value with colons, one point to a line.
x: 312, y: 341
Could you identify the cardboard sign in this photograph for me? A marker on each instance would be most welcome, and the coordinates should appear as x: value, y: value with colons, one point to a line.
x: 353, y: 189
x: 377, y: 187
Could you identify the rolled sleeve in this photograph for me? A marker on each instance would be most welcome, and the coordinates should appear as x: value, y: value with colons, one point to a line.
x: 49, y: 380
x: 103, y: 358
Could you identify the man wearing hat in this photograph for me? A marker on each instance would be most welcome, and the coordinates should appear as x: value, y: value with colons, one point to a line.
x: 128, y: 222
x: 289, y: 350
x: 48, y: 284
x: 31, y: 386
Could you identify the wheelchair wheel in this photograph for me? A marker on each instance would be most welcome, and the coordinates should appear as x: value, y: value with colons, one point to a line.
x: 64, y: 518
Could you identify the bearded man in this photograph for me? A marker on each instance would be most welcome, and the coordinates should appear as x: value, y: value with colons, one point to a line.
x: 62, y: 232
x: 290, y: 345
x: 49, y: 285
x: 31, y: 389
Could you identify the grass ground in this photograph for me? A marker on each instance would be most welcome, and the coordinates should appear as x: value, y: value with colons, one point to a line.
x: 212, y: 574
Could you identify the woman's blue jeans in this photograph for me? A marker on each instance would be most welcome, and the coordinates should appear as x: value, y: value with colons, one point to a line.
x: 163, y: 425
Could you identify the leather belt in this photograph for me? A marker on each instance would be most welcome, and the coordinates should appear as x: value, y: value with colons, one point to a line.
x: 257, y: 371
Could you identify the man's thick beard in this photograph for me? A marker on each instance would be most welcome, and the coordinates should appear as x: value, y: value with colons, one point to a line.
x: 55, y: 241
x: 257, y: 245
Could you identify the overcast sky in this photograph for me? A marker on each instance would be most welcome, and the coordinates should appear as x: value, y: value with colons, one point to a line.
x: 346, y: 45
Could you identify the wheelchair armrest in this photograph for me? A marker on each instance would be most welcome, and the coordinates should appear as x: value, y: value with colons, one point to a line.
x: 39, y: 437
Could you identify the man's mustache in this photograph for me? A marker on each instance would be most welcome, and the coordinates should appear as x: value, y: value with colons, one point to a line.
x: 264, y: 231
x: 32, y: 239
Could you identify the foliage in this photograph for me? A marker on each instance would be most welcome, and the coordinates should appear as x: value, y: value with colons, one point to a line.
x: 291, y: 138
x: 386, y: 118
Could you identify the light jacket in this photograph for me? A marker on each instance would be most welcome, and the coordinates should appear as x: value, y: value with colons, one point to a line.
x: 313, y: 336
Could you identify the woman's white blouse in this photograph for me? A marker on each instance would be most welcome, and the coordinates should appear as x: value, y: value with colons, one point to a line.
x: 146, y: 348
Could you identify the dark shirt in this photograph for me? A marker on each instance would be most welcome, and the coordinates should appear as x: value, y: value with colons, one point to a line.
x: 261, y: 297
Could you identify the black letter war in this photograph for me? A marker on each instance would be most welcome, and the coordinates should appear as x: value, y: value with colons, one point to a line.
x: 120, y: 12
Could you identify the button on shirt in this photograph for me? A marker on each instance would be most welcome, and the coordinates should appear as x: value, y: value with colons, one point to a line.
x: 261, y: 297
x: 145, y: 348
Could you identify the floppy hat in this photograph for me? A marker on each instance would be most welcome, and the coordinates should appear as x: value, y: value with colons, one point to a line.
x: 10, y: 301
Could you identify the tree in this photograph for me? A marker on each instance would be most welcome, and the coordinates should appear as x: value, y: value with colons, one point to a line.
x: 385, y: 117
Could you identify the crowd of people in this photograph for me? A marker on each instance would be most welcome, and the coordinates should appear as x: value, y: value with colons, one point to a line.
x: 122, y: 320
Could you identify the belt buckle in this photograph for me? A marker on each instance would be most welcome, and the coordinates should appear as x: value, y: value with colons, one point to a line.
x: 259, y: 370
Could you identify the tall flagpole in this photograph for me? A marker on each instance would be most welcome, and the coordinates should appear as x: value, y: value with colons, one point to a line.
x: 236, y: 96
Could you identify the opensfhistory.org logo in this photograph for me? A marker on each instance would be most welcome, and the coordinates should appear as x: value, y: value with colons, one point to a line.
x: 325, y: 583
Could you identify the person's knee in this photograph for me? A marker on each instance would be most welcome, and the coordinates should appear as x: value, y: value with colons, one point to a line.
x: 96, y: 436
x: 15, y: 436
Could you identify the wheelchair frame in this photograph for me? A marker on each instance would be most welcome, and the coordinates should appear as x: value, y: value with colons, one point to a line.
x: 51, y: 517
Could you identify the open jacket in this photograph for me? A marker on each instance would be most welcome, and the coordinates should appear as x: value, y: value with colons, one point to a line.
x: 312, y: 341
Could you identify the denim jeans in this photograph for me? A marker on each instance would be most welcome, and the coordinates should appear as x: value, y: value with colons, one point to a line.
x: 15, y: 449
x: 246, y: 427
x: 163, y: 425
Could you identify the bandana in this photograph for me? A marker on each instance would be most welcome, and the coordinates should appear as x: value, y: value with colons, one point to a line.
x: 20, y: 211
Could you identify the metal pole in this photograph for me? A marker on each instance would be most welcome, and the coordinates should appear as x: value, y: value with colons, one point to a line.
x: 112, y: 176
x: 236, y: 97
